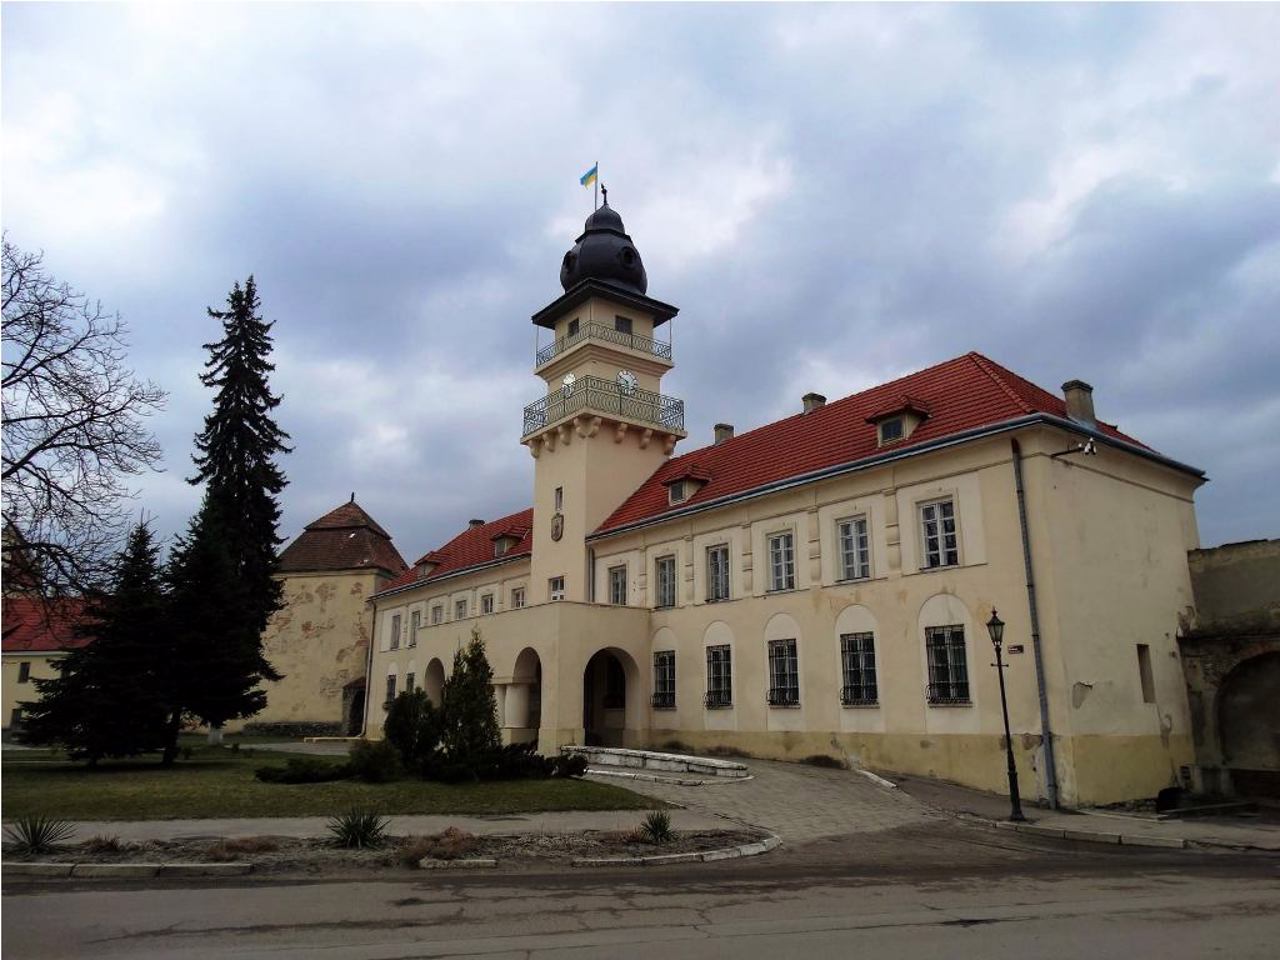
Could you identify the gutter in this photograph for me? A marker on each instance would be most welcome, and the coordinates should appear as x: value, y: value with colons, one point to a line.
x: 868, y: 463
x: 507, y: 558
x: 1046, y: 733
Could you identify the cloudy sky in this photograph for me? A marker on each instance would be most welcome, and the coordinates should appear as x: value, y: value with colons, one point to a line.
x: 833, y: 195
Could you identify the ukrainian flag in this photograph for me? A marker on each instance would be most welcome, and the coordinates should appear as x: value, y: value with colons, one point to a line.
x: 588, y: 178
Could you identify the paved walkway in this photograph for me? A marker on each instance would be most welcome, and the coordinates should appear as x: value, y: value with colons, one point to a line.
x: 798, y: 802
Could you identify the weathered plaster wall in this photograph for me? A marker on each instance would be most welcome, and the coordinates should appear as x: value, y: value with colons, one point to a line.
x: 40, y: 668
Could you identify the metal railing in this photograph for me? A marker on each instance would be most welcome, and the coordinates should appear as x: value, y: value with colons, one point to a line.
x: 663, y: 701
x: 784, y: 697
x: 605, y: 396
x: 953, y: 694
x: 598, y: 331
x: 718, y: 699
x: 859, y: 695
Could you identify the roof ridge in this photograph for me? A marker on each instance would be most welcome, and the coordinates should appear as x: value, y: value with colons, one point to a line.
x: 985, y: 365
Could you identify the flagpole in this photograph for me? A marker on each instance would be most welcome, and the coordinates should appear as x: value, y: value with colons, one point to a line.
x: 597, y: 184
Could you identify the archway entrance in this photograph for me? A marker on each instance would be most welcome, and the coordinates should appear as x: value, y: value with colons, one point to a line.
x: 353, y: 708
x: 433, y: 682
x: 1249, y: 724
x: 522, y: 713
x: 609, y: 677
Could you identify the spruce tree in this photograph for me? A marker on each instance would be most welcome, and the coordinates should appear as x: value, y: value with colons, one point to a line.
x: 471, y: 732
x: 108, y: 699
x: 221, y: 573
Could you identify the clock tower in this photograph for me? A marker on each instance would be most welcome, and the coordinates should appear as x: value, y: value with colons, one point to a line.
x: 604, y: 425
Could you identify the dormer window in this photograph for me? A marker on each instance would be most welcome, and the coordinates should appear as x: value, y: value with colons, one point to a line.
x: 891, y: 430
x: 682, y: 485
x: 501, y: 546
x: 676, y: 492
x: 897, y: 420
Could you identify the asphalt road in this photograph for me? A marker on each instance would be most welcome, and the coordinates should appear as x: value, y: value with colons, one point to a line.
x: 920, y: 892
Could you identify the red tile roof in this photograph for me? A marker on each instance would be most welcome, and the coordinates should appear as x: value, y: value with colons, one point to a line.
x: 343, y: 539
x: 963, y: 394
x: 473, y: 547
x: 31, y: 627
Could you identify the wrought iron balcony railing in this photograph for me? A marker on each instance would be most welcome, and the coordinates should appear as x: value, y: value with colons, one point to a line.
x: 859, y: 695
x: 609, y: 397
x: 598, y: 331
x: 952, y: 694
x: 718, y: 699
x: 784, y: 697
x: 663, y: 701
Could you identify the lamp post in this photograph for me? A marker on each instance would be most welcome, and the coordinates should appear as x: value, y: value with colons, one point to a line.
x: 995, y: 627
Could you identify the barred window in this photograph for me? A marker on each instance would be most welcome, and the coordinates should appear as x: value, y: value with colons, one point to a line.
x: 938, y: 526
x: 408, y: 683
x: 784, y: 674
x: 857, y: 669
x: 391, y: 688
x: 664, y: 679
x: 719, y: 677
x: 665, y: 575
x: 718, y: 572
x: 948, y: 669
x: 855, y: 549
x: 782, y: 562
x: 415, y: 621
x: 618, y: 586
x: 395, y: 632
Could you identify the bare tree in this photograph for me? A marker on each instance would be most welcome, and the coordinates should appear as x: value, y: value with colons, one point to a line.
x: 73, y: 429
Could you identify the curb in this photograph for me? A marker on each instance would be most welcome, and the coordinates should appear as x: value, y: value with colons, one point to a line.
x: 673, y: 781
x: 126, y: 871
x: 771, y: 842
x: 877, y: 779
x: 1087, y: 836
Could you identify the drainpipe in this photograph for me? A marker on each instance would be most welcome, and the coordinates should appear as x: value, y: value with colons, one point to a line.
x: 1046, y: 733
x: 591, y: 574
x: 368, y: 670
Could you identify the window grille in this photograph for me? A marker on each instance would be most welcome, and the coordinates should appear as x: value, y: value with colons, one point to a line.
x: 784, y: 674
x: 664, y: 679
x: 719, y: 677
x: 858, y: 669
x: 948, y: 668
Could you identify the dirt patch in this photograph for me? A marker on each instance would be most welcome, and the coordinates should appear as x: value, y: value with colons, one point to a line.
x: 276, y: 855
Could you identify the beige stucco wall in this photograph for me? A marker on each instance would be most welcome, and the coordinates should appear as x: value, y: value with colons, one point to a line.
x: 41, y: 668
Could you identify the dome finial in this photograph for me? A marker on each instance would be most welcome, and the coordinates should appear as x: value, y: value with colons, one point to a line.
x: 604, y: 192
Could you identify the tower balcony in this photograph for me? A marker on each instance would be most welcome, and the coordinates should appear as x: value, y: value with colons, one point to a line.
x: 601, y: 333
x: 606, y: 398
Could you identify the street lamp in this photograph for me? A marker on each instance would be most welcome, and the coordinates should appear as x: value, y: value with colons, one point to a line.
x: 995, y: 627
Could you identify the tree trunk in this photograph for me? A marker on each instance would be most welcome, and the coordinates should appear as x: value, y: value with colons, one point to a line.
x: 171, y: 745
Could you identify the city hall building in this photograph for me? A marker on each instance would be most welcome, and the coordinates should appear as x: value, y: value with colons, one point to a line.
x: 822, y: 584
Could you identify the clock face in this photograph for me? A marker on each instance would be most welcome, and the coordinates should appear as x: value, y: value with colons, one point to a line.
x: 627, y: 381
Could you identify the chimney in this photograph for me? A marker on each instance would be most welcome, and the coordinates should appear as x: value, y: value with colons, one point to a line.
x: 475, y: 523
x: 724, y: 431
x: 813, y: 401
x: 1079, y: 397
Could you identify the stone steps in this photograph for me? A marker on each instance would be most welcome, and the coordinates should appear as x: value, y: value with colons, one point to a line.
x: 656, y: 762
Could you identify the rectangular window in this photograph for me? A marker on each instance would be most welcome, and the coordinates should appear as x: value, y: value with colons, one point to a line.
x: 517, y: 598
x: 395, y: 632
x: 459, y: 609
x: 664, y: 575
x: 559, y: 499
x: 676, y: 492
x: 948, y: 668
x: 784, y: 674
x: 855, y: 549
x: 622, y: 325
x: 782, y: 562
x: 664, y: 680
x: 718, y: 572
x: 391, y: 689
x: 618, y: 586
x: 486, y: 603
x: 719, y: 677
x: 415, y: 621
x: 437, y: 614
x: 1144, y: 674
x: 573, y: 327
x: 408, y: 683
x: 858, y: 669
x: 938, y: 526
x: 24, y: 671
x: 15, y: 717
x: 555, y: 586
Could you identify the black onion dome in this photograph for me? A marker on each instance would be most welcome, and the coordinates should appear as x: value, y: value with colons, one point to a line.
x: 604, y: 252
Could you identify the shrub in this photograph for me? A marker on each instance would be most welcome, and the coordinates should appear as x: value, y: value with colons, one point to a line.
x: 358, y: 829
x: 825, y: 761
x: 290, y: 729
x: 449, y: 845
x: 38, y: 834
x: 304, y: 770
x: 657, y: 827
x: 569, y: 765
x: 103, y: 844
x: 235, y: 846
x: 470, y: 730
x: 375, y: 761
x: 414, y: 727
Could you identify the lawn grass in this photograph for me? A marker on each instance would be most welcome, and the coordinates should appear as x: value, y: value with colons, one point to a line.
x: 219, y: 783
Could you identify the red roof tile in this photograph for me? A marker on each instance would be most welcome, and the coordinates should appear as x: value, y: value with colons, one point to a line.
x: 473, y: 547
x: 343, y: 539
x: 30, y: 626
x: 963, y: 394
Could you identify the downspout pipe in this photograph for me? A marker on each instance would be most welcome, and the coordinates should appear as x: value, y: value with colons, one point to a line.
x: 1046, y: 732
x: 368, y: 672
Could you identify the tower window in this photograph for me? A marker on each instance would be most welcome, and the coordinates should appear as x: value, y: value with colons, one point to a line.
x: 622, y: 325
x: 559, y: 499
x: 555, y: 586
x: 573, y: 328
